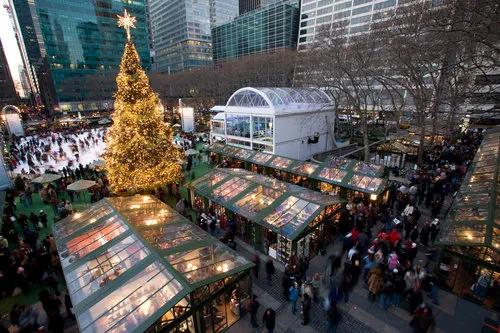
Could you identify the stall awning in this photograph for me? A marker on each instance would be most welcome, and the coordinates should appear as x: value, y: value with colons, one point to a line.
x: 115, y: 258
x: 352, y: 174
x: 284, y: 208
x: 473, y: 225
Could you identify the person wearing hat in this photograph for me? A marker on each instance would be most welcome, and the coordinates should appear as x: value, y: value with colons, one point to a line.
x: 399, y: 287
x: 424, y: 234
x: 435, y: 228
x: 43, y: 218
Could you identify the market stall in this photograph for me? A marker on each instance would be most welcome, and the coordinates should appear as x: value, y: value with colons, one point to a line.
x: 133, y: 264
x: 342, y: 177
x: 274, y: 216
x: 470, y: 236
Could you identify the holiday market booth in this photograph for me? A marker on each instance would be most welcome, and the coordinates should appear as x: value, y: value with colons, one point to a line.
x: 133, y: 264
x: 341, y: 177
x: 470, y: 237
x: 274, y: 216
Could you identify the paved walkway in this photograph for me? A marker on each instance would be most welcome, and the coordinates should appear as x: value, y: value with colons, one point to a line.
x: 454, y: 314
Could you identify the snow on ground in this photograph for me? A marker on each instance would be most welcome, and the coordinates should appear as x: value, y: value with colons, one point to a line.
x: 86, y: 155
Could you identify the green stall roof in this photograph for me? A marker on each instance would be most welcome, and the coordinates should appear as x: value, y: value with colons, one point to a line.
x: 352, y: 174
x: 115, y: 258
x: 282, y: 207
x: 474, y: 219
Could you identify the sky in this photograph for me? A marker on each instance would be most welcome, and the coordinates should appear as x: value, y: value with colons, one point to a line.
x: 9, y: 43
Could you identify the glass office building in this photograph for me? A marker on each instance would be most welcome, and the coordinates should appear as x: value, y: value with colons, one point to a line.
x: 181, y: 31
x: 264, y: 29
x: 84, y: 45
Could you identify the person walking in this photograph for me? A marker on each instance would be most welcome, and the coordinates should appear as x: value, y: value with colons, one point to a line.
x: 316, y: 283
x: 333, y: 318
x: 306, y: 308
x: 256, y: 268
x: 269, y: 320
x: 252, y: 307
x: 270, y: 270
x: 294, y: 296
x: 34, y: 219
x: 43, y: 218
x: 375, y: 283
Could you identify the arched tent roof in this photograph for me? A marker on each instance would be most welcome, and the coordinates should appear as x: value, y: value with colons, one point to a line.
x: 10, y: 109
x: 280, y: 100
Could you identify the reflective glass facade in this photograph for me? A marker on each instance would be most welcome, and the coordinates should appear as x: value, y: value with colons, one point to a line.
x: 181, y: 31
x: 268, y: 28
x: 82, y: 41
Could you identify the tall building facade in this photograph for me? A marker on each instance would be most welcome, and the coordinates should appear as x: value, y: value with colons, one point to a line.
x: 249, y: 5
x: 8, y: 93
x: 355, y: 15
x: 181, y: 31
x: 265, y: 29
x: 79, y: 46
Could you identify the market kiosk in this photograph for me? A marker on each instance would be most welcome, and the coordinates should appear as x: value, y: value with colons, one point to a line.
x: 341, y: 177
x: 470, y: 236
x: 274, y: 216
x: 133, y: 264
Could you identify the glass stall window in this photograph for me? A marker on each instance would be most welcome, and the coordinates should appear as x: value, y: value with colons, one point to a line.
x: 130, y: 305
x: 238, y: 125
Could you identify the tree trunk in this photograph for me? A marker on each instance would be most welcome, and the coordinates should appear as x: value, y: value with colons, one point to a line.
x: 421, y: 148
x: 366, y: 143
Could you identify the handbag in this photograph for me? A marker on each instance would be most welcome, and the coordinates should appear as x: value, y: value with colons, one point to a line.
x: 473, y: 287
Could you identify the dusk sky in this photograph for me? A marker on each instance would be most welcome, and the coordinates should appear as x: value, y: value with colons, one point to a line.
x: 9, y: 43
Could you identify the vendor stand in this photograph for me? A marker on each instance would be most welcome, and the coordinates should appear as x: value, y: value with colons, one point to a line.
x: 274, y: 216
x: 470, y: 236
x: 133, y: 264
x: 342, y: 177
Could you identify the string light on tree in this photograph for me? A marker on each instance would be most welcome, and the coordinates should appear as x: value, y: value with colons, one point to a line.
x: 139, y: 154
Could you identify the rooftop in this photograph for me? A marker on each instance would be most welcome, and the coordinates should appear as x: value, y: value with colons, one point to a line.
x: 473, y: 226
x: 280, y: 100
x: 136, y: 257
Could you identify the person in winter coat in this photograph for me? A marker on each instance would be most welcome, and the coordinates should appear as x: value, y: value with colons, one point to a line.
x: 386, y: 294
x: 316, y: 283
x: 294, y: 296
x: 253, y: 307
x: 43, y: 218
x: 393, y: 261
x: 375, y: 283
x: 269, y: 320
x: 435, y: 228
x: 306, y: 308
x: 424, y: 234
x: 414, y: 234
x: 269, y: 270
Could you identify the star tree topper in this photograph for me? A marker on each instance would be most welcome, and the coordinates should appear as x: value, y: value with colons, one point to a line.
x: 126, y: 21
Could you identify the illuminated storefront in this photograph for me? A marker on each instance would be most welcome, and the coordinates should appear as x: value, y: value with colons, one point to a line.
x: 274, y: 216
x: 341, y: 177
x: 134, y: 264
x: 470, y: 237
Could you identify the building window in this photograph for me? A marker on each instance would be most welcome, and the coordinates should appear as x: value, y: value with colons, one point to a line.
x: 238, y: 125
x: 263, y: 129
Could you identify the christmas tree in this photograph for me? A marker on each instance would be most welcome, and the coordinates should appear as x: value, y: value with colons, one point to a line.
x: 139, y: 154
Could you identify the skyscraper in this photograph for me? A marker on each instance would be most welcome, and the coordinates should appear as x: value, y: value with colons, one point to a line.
x: 181, y: 31
x: 355, y: 15
x: 8, y: 93
x: 80, y: 46
x: 261, y: 30
x: 249, y: 5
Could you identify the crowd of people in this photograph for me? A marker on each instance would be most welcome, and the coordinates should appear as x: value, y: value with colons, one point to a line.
x: 381, y: 241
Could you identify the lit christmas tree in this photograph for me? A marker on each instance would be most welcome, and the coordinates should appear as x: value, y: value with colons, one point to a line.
x: 139, y: 151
